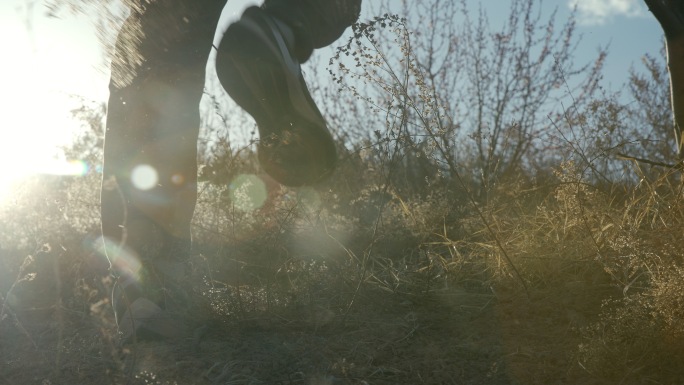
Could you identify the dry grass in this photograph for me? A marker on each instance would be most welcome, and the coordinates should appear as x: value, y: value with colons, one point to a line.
x: 377, y: 288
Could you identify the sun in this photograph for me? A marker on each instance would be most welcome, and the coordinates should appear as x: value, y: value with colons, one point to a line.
x: 34, y: 126
x: 46, y: 63
x: 35, y: 123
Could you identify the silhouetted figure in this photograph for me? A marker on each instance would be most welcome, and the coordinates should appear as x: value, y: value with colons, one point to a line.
x: 149, y: 185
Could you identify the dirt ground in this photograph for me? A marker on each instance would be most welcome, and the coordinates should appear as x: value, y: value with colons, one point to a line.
x: 331, y: 330
x: 455, y: 336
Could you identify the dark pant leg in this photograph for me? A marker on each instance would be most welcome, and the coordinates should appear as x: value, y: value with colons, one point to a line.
x: 317, y: 23
x: 150, y: 174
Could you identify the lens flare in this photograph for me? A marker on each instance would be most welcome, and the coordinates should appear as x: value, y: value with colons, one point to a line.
x: 16, y: 173
x: 66, y: 168
x: 248, y: 192
x: 122, y: 261
x: 177, y: 179
x: 144, y: 177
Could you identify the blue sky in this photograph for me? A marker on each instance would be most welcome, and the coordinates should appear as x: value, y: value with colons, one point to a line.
x: 48, y: 62
x: 626, y: 25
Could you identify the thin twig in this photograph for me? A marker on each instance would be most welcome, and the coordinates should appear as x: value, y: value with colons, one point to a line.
x: 679, y: 165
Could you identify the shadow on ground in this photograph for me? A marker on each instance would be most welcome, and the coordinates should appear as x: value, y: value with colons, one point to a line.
x: 452, y: 337
x: 309, y: 323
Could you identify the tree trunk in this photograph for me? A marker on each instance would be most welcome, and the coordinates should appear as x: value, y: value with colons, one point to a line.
x: 670, y: 15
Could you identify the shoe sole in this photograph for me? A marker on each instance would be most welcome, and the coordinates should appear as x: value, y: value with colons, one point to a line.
x: 296, y: 147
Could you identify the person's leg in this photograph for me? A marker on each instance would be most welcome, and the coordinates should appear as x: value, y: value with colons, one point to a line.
x: 258, y: 63
x: 150, y: 172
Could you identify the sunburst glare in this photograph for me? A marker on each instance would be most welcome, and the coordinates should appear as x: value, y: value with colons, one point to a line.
x: 36, y: 120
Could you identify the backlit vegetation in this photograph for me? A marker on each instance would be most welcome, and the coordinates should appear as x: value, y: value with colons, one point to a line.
x: 488, y: 224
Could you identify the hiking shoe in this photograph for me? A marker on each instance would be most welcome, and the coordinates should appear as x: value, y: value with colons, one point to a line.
x: 150, y: 311
x: 256, y: 65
